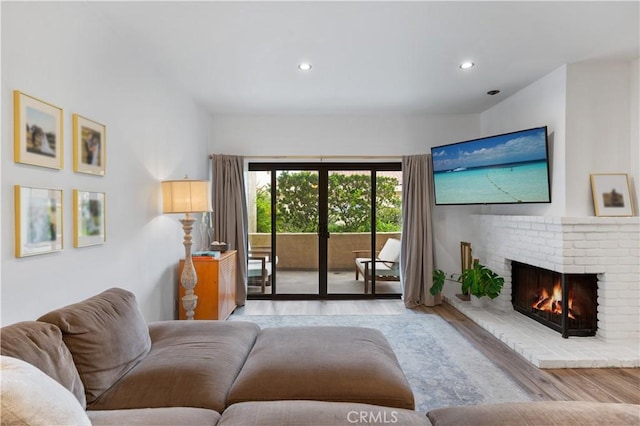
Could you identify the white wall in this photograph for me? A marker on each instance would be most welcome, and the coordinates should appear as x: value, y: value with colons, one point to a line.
x: 76, y: 60
x: 357, y: 136
x: 542, y: 103
x: 634, y: 132
x: 591, y: 109
x: 599, y: 100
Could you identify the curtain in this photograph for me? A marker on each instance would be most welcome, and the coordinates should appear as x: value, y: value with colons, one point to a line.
x: 230, y: 221
x: 416, y: 251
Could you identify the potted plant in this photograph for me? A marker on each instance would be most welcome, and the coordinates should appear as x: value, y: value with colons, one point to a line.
x: 477, y: 281
x: 438, y: 281
x: 481, y: 281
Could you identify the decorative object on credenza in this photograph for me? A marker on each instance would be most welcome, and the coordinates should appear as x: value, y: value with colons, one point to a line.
x: 219, y: 246
x: 38, y: 213
x: 187, y: 196
x: 611, y: 194
x: 89, y: 146
x: 37, y: 130
x: 206, y: 231
x: 89, y: 215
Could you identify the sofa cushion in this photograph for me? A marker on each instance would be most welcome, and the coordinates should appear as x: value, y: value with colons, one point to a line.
x: 312, y: 413
x: 390, y: 252
x: 342, y: 364
x: 106, y: 335
x: 40, y: 344
x: 30, y: 397
x: 548, y: 413
x: 191, y: 364
x: 174, y: 416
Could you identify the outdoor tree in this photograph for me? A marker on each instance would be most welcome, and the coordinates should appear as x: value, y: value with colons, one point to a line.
x: 349, y: 198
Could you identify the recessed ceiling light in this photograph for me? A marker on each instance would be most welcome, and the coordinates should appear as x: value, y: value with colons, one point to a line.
x: 304, y: 66
x: 466, y: 65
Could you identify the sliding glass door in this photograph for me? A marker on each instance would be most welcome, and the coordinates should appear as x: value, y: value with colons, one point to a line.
x: 313, y: 220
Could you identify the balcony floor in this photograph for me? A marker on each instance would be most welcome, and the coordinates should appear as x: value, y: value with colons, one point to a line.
x: 339, y: 282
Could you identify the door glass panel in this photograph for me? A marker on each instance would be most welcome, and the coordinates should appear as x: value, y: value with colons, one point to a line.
x: 259, y: 218
x: 289, y: 222
x: 349, y: 222
x: 297, y: 232
x: 388, y: 226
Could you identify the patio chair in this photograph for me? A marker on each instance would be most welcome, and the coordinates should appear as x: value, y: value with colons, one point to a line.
x: 259, y: 267
x: 387, y: 263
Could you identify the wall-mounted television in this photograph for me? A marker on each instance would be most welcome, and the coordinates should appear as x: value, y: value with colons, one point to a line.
x: 501, y: 169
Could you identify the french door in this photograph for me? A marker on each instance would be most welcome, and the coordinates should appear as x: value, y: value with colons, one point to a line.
x: 312, y: 219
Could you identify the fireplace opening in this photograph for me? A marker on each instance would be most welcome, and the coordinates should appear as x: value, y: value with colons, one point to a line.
x: 567, y: 303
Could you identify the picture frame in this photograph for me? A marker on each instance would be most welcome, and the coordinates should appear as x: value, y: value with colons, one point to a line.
x: 38, y: 220
x: 38, y: 132
x: 89, y: 146
x: 611, y: 194
x: 89, y: 224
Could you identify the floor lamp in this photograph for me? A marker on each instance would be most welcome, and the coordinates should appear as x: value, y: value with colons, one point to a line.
x: 187, y: 196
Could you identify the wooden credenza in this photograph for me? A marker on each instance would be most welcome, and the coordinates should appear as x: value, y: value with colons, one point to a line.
x: 216, y: 287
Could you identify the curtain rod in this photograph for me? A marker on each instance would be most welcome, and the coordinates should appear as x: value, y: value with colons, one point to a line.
x: 321, y: 157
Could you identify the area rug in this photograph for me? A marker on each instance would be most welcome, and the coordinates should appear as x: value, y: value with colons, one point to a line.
x: 442, y: 367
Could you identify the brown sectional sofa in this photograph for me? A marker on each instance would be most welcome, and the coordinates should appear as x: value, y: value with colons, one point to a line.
x: 99, y: 363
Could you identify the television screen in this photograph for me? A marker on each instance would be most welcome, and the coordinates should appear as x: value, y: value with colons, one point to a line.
x: 502, y: 169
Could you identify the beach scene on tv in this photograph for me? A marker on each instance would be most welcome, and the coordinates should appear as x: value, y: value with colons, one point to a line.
x: 509, y: 168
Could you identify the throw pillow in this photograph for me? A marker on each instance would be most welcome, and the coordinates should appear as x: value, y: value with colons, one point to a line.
x: 30, y: 397
x: 40, y: 344
x: 106, y: 335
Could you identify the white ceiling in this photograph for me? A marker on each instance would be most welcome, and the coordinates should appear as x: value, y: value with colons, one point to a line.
x: 369, y: 57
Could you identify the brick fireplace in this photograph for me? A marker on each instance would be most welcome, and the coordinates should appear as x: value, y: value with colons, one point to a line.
x: 567, y: 303
x: 606, y: 247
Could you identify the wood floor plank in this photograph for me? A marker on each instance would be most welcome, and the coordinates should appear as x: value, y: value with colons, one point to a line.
x: 577, y: 384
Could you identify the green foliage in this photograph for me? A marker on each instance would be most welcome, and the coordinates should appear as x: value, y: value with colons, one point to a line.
x: 263, y: 210
x: 481, y: 281
x: 349, y: 198
x: 438, y: 281
x: 297, y: 202
x: 389, y: 208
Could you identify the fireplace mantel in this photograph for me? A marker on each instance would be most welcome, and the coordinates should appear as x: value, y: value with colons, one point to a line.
x: 606, y: 246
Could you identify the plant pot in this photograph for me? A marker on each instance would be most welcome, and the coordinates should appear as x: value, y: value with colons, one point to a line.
x: 480, y: 302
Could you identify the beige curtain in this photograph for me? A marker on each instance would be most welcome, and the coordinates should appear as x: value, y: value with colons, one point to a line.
x: 416, y: 252
x: 230, y: 221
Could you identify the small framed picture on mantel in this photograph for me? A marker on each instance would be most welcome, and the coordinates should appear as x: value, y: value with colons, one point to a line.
x: 611, y: 194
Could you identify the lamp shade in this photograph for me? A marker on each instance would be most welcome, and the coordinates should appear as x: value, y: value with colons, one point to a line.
x: 185, y: 196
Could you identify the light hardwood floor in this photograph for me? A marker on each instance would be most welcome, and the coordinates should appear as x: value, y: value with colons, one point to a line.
x: 593, y: 384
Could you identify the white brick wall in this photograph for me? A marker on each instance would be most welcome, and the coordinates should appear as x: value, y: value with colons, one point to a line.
x: 609, y: 247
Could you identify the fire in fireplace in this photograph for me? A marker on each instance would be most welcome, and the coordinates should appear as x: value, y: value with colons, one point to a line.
x: 564, y: 302
x: 553, y: 302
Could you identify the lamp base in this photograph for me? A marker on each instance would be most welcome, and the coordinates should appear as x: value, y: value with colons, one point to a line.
x: 189, y: 279
x: 189, y: 303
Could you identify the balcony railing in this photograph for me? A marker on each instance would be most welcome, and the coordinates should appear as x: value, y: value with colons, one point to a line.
x: 299, y: 251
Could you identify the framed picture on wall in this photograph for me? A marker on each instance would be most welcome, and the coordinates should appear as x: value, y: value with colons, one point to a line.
x: 611, y: 194
x: 89, y: 146
x: 88, y: 218
x: 38, y: 226
x: 37, y: 130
